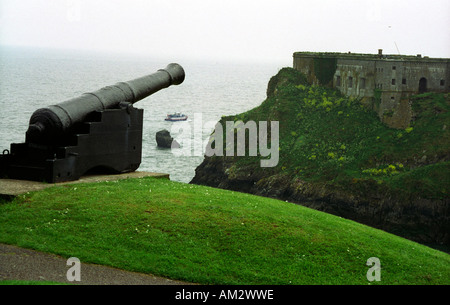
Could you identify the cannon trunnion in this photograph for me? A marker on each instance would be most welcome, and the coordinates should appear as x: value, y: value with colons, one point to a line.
x: 98, y: 132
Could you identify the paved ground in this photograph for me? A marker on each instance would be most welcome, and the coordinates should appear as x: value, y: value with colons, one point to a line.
x: 28, y: 265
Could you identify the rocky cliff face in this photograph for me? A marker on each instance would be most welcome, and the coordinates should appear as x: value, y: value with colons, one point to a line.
x: 353, y: 180
x: 419, y: 219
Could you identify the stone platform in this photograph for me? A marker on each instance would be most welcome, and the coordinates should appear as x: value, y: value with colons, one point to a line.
x: 12, y: 187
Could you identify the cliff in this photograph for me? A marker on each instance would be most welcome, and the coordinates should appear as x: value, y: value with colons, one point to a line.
x: 335, y: 155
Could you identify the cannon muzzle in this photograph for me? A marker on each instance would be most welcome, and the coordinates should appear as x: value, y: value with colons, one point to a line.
x: 54, y: 121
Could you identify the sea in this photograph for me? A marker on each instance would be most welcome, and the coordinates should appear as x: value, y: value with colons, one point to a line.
x: 34, y: 78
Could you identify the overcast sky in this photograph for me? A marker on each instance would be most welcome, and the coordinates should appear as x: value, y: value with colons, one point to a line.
x: 244, y: 29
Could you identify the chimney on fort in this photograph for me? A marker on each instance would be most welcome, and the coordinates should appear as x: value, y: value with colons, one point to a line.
x: 380, y: 53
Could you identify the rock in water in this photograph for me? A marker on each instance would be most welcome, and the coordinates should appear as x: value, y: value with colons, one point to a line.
x: 165, y: 140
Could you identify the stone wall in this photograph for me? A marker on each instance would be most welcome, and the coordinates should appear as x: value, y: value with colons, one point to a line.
x: 394, y: 77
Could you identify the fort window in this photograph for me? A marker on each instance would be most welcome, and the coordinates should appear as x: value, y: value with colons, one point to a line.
x: 404, y: 81
x: 442, y: 82
x: 393, y: 81
x: 394, y: 67
x: 350, y: 82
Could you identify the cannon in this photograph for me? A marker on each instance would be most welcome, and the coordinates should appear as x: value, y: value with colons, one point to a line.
x: 97, y: 132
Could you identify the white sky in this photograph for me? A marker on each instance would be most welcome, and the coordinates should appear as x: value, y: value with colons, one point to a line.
x: 244, y: 29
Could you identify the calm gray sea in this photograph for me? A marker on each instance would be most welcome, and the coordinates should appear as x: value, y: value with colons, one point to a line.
x: 31, y: 79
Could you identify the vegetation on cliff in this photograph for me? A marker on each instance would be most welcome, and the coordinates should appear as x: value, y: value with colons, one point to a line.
x: 332, y: 146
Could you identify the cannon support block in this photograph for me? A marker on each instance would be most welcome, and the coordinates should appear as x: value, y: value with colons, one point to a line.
x: 111, y: 142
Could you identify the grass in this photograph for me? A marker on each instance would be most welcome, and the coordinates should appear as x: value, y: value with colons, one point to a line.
x: 211, y: 236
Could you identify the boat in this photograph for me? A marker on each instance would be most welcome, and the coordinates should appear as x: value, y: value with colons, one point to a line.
x: 176, y: 117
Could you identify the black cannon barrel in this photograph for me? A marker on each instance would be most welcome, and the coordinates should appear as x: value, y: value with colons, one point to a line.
x: 55, y: 120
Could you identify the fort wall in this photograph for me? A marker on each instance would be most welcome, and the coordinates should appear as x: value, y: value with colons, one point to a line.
x: 382, y: 82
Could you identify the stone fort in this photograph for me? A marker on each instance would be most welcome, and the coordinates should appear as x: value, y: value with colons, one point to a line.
x: 383, y: 82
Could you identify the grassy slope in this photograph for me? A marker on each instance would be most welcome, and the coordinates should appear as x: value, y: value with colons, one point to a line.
x: 210, y: 236
x: 327, y: 137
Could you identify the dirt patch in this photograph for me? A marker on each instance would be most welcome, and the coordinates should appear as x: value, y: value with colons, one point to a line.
x: 29, y: 265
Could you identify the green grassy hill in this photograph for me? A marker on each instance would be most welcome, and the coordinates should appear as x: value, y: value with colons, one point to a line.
x: 336, y: 155
x: 211, y: 236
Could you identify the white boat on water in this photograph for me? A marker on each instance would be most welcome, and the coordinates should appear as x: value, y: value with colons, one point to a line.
x: 176, y: 117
